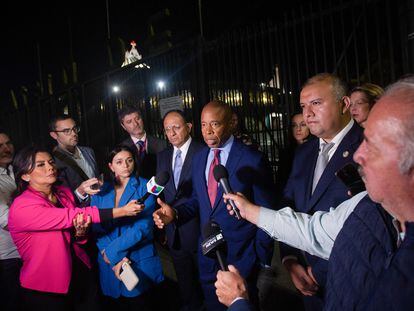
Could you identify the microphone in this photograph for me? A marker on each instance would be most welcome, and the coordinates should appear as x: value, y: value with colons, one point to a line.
x: 214, y: 243
x: 155, y: 185
x: 222, y: 176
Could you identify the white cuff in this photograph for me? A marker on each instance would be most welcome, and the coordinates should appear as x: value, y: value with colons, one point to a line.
x: 81, y: 197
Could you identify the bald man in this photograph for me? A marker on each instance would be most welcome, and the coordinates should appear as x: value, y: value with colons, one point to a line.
x: 248, y: 247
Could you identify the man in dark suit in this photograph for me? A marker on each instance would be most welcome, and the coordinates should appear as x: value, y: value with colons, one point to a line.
x: 247, y: 248
x: 312, y: 185
x: 77, y: 170
x: 76, y: 164
x: 146, y: 146
x: 182, y: 240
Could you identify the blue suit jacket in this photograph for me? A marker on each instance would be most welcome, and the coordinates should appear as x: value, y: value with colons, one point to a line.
x: 184, y: 237
x: 129, y: 237
x: 247, y: 245
x: 329, y: 192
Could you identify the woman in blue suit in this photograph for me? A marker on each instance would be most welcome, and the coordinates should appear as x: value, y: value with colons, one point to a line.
x: 128, y: 239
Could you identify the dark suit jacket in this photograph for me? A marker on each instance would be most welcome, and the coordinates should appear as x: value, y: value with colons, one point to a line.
x: 70, y: 177
x: 184, y: 237
x: 247, y: 245
x: 147, y: 167
x: 241, y: 305
x: 329, y: 192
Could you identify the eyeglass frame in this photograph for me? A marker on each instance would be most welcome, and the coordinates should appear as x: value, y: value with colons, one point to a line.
x: 68, y: 131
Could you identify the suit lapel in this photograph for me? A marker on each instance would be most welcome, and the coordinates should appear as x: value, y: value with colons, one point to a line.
x: 129, y: 191
x: 342, y: 155
x: 170, y: 185
x: 186, y: 165
x: 231, y: 165
x: 201, y: 178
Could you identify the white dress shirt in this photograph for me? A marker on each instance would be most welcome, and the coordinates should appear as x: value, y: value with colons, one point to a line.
x: 184, y: 149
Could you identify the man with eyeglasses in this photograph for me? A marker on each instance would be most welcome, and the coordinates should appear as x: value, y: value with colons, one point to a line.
x: 182, y: 241
x: 76, y: 164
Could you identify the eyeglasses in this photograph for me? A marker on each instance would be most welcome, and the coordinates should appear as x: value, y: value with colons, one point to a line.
x: 67, y: 132
x: 174, y: 127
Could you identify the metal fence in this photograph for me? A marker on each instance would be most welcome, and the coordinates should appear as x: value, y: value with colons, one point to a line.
x: 258, y: 70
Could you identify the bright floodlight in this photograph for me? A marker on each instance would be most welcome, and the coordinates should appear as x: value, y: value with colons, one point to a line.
x: 161, y: 85
x: 115, y: 89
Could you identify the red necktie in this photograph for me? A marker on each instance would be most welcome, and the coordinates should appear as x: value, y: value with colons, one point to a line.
x: 212, y: 184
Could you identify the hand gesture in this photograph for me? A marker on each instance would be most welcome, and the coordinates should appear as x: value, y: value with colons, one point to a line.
x: 230, y: 285
x: 118, y: 266
x: 301, y: 277
x: 90, y: 186
x: 164, y: 215
x: 248, y: 210
x: 132, y: 208
x: 81, y: 225
x: 105, y: 258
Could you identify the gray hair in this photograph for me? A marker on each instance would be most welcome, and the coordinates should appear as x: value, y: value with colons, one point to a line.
x: 403, y: 92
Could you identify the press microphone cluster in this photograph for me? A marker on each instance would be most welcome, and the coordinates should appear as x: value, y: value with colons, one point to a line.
x: 222, y: 177
x: 155, y: 185
x: 214, y: 244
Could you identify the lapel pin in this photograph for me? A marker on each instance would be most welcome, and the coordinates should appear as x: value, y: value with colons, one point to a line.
x: 345, y: 154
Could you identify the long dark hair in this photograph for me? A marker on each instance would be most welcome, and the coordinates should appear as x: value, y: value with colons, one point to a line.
x: 117, y: 149
x: 24, y: 163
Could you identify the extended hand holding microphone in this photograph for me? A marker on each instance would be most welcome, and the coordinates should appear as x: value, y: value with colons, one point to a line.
x: 155, y: 185
x: 214, y: 244
x: 222, y: 177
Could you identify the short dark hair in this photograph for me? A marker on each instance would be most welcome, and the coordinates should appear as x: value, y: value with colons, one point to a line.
x: 2, y: 131
x: 57, y: 118
x: 178, y: 111
x: 128, y: 109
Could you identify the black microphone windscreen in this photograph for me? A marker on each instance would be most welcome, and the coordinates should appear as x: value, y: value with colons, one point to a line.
x: 210, y: 228
x: 162, y: 178
x: 220, y: 172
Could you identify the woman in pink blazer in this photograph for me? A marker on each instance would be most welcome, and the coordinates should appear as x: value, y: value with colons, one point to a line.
x: 48, y: 230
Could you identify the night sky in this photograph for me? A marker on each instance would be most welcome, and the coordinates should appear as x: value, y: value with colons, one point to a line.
x: 48, y: 24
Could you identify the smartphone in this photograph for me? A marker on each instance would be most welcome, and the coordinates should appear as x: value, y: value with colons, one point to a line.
x: 99, y: 183
x: 349, y: 175
x: 128, y: 276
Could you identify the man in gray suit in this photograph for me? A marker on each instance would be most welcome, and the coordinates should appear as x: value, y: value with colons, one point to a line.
x: 76, y: 164
x: 146, y: 146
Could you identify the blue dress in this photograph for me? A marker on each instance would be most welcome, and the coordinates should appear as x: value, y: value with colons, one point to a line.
x: 130, y: 237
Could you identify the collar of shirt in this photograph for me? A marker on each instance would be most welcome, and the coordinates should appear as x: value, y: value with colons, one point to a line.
x: 337, y: 139
x: 143, y: 138
x: 76, y: 155
x: 184, y: 149
x: 7, y: 171
x: 224, y: 154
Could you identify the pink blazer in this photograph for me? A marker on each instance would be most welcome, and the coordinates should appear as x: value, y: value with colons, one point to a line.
x: 43, y: 235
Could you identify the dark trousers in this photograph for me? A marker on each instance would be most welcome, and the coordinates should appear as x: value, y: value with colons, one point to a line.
x: 9, y: 283
x: 186, y: 268
x: 35, y: 301
x: 82, y: 295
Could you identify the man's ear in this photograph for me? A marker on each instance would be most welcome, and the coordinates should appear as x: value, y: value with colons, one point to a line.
x: 190, y: 126
x: 53, y: 135
x: 122, y: 124
x: 346, y: 104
